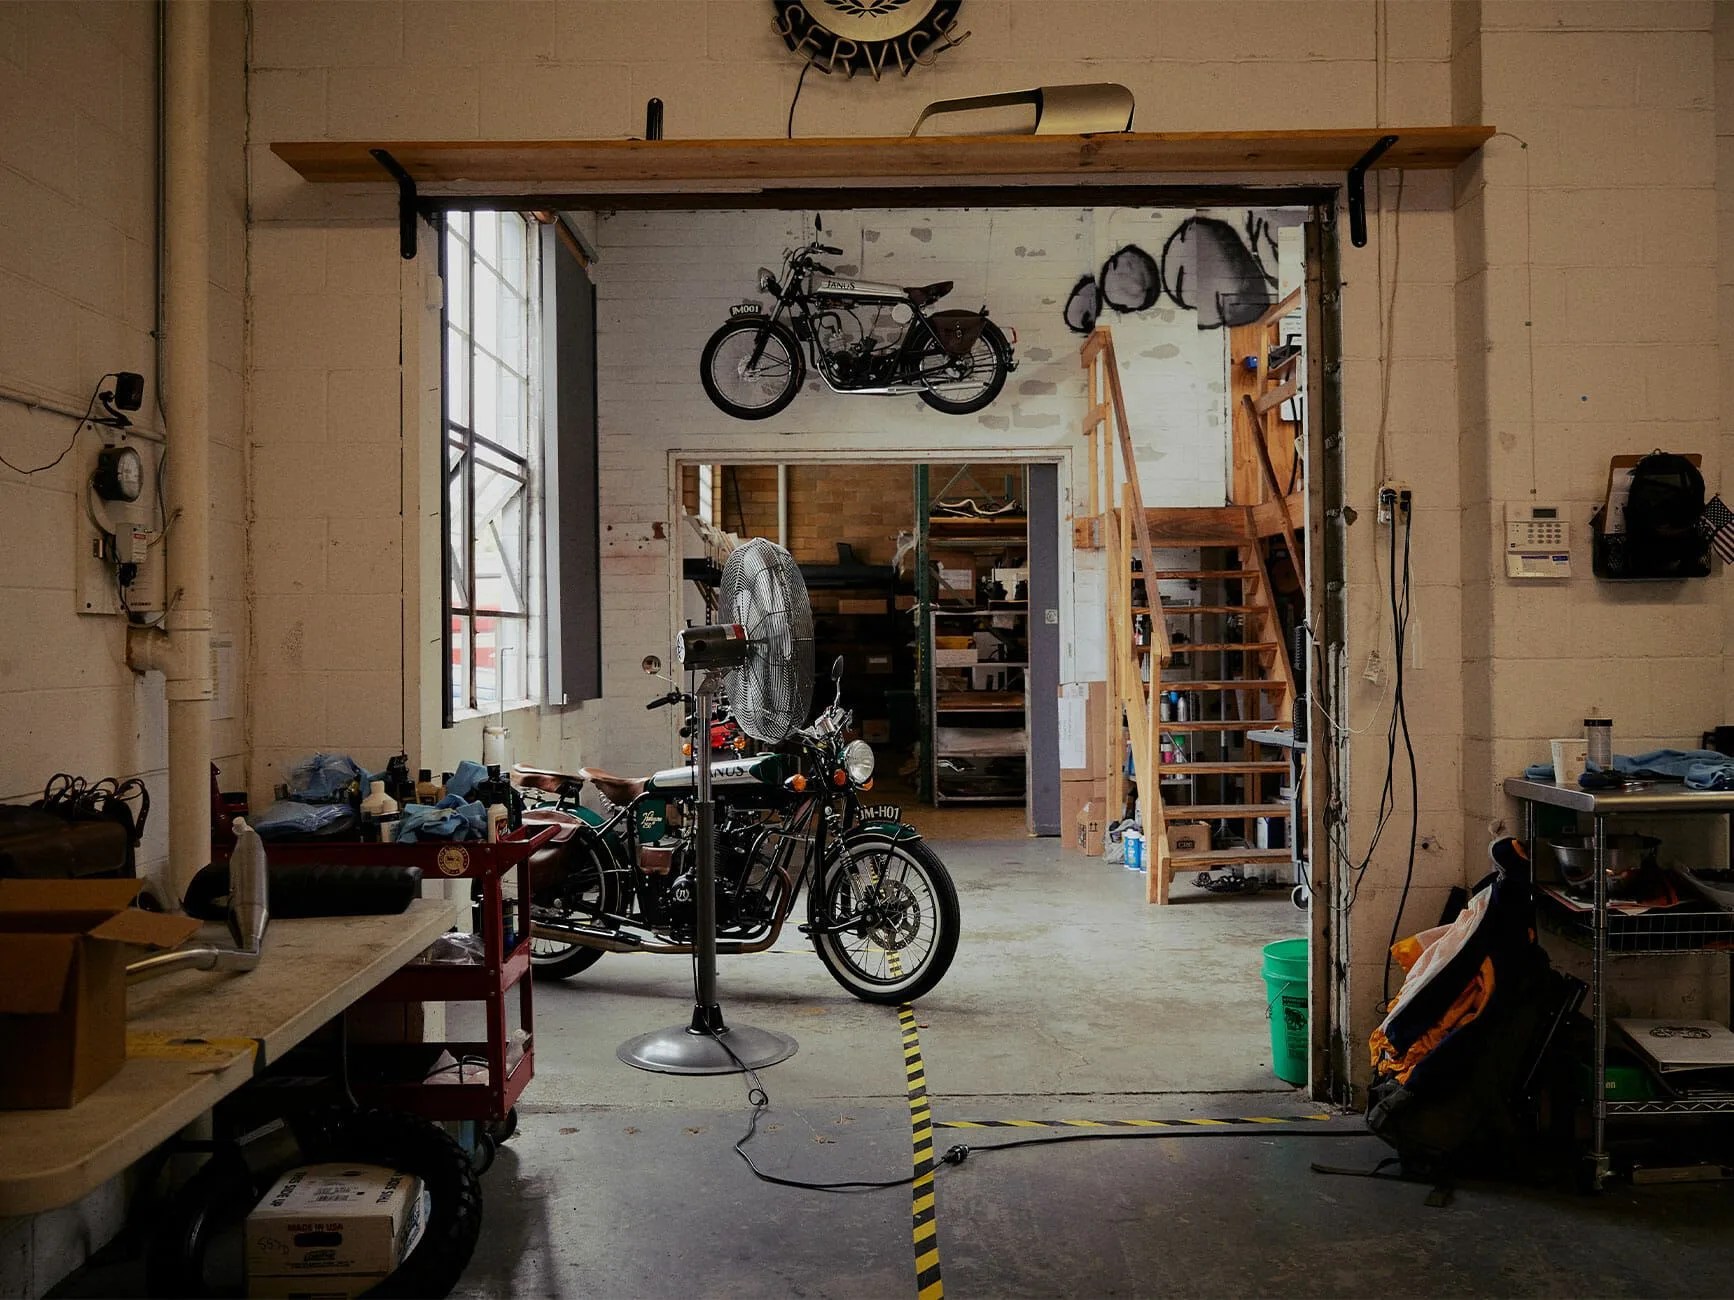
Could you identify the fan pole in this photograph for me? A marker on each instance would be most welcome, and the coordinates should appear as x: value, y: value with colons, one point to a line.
x: 699, y: 1047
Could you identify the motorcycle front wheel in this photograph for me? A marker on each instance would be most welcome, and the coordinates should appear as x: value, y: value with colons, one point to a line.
x: 752, y: 368
x: 905, y: 936
x: 971, y: 381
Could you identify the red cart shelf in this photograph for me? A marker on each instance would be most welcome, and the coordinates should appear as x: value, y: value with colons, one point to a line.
x: 489, y: 983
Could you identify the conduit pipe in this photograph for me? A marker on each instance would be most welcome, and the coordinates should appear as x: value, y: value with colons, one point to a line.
x: 181, y: 648
x: 783, y: 506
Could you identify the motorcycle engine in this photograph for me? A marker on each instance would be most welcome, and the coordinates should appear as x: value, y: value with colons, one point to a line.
x: 859, y: 351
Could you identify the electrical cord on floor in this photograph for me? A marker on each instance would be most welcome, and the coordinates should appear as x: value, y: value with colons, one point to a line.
x: 760, y: 1101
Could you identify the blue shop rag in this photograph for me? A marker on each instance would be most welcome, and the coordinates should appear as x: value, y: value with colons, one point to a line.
x: 458, y: 821
x: 1700, y: 769
x: 469, y: 775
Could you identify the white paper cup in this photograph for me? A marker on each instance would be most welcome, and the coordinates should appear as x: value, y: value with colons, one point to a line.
x: 1570, y: 759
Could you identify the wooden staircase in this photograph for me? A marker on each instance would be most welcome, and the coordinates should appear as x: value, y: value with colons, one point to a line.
x: 1236, y: 677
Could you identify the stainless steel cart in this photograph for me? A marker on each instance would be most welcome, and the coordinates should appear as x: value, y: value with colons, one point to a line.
x: 1603, y: 805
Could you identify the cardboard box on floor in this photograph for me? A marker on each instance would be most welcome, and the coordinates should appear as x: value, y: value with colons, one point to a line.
x: 1081, y: 821
x: 332, y: 1229
x: 1083, y: 731
x: 63, y: 952
x: 1188, y: 837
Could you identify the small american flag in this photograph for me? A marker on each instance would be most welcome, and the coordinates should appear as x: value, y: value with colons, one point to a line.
x: 1717, y: 523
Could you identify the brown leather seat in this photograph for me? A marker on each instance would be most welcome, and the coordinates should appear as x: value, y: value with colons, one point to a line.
x: 542, y: 778
x: 923, y: 294
x: 618, y: 790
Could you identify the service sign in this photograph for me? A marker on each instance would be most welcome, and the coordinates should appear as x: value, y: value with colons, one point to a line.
x: 872, y: 36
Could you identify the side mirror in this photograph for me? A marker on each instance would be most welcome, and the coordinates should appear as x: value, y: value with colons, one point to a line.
x: 819, y: 222
x: 651, y: 665
x: 837, y: 669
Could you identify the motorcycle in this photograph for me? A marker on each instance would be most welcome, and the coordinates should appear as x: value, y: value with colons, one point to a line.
x: 882, y: 911
x: 861, y: 338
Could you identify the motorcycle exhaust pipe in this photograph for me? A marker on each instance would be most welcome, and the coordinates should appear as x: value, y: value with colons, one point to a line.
x: 609, y: 942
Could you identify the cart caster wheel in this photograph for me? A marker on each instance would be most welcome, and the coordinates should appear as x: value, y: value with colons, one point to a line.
x: 482, y: 1155
x: 1299, y: 897
x: 506, y: 1129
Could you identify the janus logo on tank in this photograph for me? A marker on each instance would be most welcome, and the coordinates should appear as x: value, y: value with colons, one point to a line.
x: 872, y: 36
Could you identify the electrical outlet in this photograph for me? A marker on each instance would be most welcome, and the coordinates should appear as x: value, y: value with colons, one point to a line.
x: 1395, y: 499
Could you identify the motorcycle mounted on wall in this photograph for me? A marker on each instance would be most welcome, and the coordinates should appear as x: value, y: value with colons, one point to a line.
x: 860, y: 337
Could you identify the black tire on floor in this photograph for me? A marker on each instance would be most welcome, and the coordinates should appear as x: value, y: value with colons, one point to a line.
x: 221, y: 1194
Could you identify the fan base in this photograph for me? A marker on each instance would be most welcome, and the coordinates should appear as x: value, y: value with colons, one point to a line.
x: 692, y: 1049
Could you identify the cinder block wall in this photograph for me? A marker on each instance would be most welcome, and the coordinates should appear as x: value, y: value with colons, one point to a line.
x: 78, y: 236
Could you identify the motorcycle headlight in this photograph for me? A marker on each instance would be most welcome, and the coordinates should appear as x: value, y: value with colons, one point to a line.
x: 858, y: 761
x: 767, y: 281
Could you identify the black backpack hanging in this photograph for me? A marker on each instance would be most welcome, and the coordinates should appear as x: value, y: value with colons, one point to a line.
x: 1664, y: 537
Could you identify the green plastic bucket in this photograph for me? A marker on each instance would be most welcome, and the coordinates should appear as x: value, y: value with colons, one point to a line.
x: 1285, y: 987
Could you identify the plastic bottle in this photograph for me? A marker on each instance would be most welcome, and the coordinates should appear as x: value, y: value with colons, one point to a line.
x: 377, y: 806
x: 426, y: 791
x: 497, y: 799
x: 1598, y: 735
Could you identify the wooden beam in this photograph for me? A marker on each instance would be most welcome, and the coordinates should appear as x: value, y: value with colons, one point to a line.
x: 1274, y: 314
x: 1268, y: 516
x: 1276, y: 495
x: 753, y: 163
x: 1273, y: 399
x: 1197, y: 525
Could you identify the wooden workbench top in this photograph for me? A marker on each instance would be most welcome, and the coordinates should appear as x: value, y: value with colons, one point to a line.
x: 191, y: 1041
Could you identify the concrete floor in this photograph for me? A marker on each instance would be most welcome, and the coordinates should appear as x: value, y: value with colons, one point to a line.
x: 1070, y: 998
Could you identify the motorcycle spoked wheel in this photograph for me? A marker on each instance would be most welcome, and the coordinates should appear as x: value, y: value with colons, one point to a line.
x: 214, y: 1202
x: 742, y: 387
x: 988, y: 362
x: 598, y: 891
x: 913, y: 908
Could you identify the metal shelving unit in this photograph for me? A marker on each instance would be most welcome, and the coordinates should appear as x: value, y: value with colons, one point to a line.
x: 1653, y: 936
x: 979, y: 711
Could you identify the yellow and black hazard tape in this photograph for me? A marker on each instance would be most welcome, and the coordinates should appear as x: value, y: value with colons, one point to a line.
x: 924, y: 1225
x: 1215, y: 1122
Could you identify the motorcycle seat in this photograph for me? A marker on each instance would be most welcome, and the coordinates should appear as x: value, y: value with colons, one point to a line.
x: 618, y: 790
x: 921, y: 295
x: 542, y: 778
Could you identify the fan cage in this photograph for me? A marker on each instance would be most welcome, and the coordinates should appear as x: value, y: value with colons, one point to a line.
x: 762, y: 590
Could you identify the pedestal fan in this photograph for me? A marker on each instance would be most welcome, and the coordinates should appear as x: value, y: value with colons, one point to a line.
x: 761, y: 654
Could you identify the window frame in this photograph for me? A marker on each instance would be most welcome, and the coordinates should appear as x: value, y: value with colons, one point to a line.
x: 461, y: 449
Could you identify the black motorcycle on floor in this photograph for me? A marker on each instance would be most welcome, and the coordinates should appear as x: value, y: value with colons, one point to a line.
x: 882, y: 911
x: 860, y: 337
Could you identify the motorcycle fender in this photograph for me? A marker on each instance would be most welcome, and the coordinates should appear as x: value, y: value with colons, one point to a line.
x: 901, y: 832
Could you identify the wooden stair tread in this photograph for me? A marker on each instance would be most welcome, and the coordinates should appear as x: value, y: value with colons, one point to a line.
x: 1223, y: 768
x: 1181, y: 647
x: 1227, y: 857
x: 1181, y: 610
x: 1221, y: 724
x: 1175, y: 575
x: 1245, y: 684
x: 1214, y: 811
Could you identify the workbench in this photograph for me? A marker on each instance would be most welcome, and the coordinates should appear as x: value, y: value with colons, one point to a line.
x: 194, y: 1037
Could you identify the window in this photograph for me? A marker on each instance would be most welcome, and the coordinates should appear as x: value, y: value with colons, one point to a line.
x: 493, y: 462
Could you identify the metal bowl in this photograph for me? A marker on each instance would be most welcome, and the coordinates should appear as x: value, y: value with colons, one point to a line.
x: 1628, y: 856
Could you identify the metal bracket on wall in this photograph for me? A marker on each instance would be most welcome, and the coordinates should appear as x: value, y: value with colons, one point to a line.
x: 409, y: 205
x: 1358, y: 189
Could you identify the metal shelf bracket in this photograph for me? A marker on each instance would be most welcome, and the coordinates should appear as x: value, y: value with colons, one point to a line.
x: 1357, y: 189
x: 409, y: 205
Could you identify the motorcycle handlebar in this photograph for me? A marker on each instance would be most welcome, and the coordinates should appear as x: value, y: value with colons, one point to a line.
x: 827, y: 248
x: 662, y: 702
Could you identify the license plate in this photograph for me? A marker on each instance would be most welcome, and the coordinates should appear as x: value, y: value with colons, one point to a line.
x: 882, y: 812
x: 746, y: 309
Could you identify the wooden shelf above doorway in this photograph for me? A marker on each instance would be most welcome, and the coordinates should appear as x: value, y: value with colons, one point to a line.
x: 600, y: 165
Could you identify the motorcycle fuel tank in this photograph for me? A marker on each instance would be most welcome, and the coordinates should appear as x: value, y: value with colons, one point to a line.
x: 831, y: 286
x: 761, y: 769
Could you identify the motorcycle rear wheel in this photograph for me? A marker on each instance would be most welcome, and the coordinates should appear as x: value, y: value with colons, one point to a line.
x: 917, y: 920
x: 745, y: 387
x: 988, y: 363
x: 587, y: 881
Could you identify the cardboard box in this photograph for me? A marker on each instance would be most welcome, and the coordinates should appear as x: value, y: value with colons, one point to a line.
x: 957, y: 582
x: 878, y: 663
x: 954, y: 658
x: 1081, y: 807
x: 1189, y: 837
x: 1083, y: 731
x: 876, y: 731
x: 905, y: 602
x: 855, y: 605
x: 64, y: 946
x: 332, y: 1230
